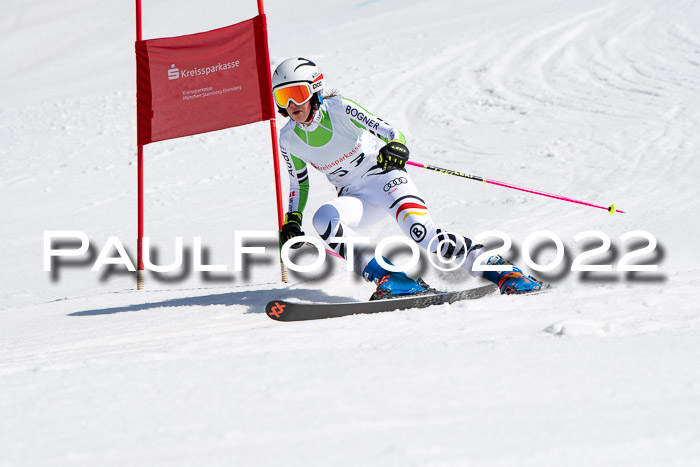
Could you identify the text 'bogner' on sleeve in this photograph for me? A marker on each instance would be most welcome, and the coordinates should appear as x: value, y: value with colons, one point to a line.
x: 298, y: 177
x: 365, y: 120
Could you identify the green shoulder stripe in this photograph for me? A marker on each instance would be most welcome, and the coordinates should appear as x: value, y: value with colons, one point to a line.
x: 303, y: 183
x: 298, y: 163
x: 399, y: 136
x: 365, y: 110
x: 358, y: 124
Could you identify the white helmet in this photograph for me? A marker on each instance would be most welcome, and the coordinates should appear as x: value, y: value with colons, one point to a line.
x: 298, y: 71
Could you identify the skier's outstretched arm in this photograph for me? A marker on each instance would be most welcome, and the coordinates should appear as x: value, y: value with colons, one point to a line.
x: 395, y: 153
x: 367, y: 121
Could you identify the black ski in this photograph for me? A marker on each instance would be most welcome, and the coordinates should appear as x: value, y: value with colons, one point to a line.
x: 281, y: 310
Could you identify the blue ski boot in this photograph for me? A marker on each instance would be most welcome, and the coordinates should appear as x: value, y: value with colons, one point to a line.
x: 393, y: 284
x: 513, y: 282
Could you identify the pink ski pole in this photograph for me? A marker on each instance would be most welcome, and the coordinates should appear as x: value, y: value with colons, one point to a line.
x: 611, y: 209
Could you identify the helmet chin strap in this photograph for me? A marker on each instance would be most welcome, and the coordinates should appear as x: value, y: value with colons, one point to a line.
x: 312, y: 113
x: 315, y: 104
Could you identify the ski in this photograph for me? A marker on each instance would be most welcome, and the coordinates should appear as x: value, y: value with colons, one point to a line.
x: 281, y: 310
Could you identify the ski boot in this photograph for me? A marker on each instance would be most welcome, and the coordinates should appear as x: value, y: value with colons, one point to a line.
x: 393, y: 284
x: 513, y: 282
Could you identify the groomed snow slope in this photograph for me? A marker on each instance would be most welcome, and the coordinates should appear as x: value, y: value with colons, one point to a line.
x: 596, y: 100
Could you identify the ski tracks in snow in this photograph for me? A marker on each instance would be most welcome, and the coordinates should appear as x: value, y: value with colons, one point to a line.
x: 555, y: 97
x: 590, y: 99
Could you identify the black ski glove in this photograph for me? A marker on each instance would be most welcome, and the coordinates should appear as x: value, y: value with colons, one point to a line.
x: 291, y: 228
x: 393, y: 156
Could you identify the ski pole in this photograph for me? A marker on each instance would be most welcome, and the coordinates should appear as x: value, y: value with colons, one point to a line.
x: 611, y: 209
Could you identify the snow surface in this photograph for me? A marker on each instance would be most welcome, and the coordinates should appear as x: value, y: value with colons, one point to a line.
x: 594, y: 99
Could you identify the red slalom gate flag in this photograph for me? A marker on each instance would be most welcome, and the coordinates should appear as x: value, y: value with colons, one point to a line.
x: 202, y: 82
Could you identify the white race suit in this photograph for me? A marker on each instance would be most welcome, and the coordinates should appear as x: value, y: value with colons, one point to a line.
x: 337, y: 144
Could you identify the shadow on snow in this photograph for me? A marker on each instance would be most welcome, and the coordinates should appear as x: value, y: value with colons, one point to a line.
x: 255, y: 300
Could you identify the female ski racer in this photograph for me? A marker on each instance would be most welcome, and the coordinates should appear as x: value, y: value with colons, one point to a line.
x: 364, y: 157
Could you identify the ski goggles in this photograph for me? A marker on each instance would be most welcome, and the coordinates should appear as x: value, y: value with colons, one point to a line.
x: 299, y: 93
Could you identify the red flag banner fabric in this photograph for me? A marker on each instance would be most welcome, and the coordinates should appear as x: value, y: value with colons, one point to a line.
x: 202, y: 82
